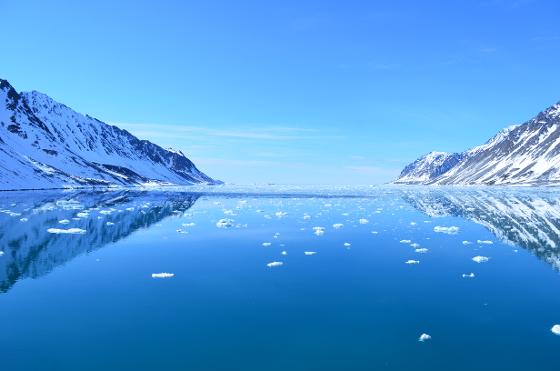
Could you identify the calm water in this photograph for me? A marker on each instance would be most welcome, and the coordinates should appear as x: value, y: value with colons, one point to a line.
x: 87, y: 300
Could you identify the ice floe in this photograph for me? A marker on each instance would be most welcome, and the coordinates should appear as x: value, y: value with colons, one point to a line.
x: 347, y: 244
x: 280, y: 214
x: 66, y: 231
x: 338, y: 225
x: 415, y: 245
x: 405, y: 241
x: 467, y: 243
x: 163, y: 275
x: 64, y: 221
x: 363, y: 221
x: 266, y: 244
x: 424, y: 337
x: 468, y: 275
x: 447, y: 230
x: 225, y: 223
x: 274, y: 264
x: 421, y: 250
x: 484, y: 242
x: 284, y: 253
x: 1, y: 253
x: 411, y: 261
x: 480, y: 259
x: 24, y: 220
x: 319, y: 231
x: 310, y: 253
x: 555, y: 330
x: 109, y: 223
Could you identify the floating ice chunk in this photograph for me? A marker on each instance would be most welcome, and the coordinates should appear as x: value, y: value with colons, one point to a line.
x: 555, y: 329
x: 412, y: 262
x: 468, y: 275
x: 413, y: 223
x: 306, y: 217
x: 447, y: 230
x: 266, y: 244
x: 405, y: 241
x: 82, y: 215
x: 266, y: 216
x: 484, y: 242
x: 415, y: 245
x: 308, y: 253
x: 467, y: 243
x: 64, y: 221
x: 188, y: 225
x: 105, y: 212
x: 347, y: 244
x: 163, y: 275
x: 338, y: 225
x: 422, y: 250
x: 109, y: 223
x: 66, y: 231
x: 280, y: 214
x: 319, y: 231
x: 374, y: 232
x: 1, y: 253
x: 424, y: 337
x: 24, y: 220
x: 129, y: 209
x: 229, y: 212
x: 480, y: 259
x: 224, y: 223
x: 274, y: 264
x: 363, y: 221
x: 284, y: 253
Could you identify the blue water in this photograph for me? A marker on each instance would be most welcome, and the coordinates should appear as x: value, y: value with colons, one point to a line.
x: 88, y: 301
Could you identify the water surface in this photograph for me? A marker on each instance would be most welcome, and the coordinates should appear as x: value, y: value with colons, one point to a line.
x: 87, y: 300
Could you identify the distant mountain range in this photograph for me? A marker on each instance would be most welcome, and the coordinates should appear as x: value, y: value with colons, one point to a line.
x: 527, y: 154
x: 45, y: 144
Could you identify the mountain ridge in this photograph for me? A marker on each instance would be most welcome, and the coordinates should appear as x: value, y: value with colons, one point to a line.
x: 525, y: 154
x: 46, y: 144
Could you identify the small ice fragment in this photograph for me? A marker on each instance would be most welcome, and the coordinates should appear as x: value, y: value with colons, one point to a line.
x: 484, y: 242
x: 82, y: 215
x: 467, y: 243
x: 468, y: 275
x: 412, y: 262
x: 338, y: 225
x: 306, y: 217
x: 64, y: 221
x: 347, y: 244
x: 66, y: 231
x: 1, y: 253
x: 274, y: 264
x: 319, y: 231
x: 424, y: 337
x: 229, y: 212
x: 555, y: 329
x: 374, y: 232
x: 422, y: 250
x: 280, y: 214
x: 109, y: 223
x: 162, y: 275
x: 405, y: 241
x: 415, y: 245
x: 224, y: 223
x: 24, y: 220
x: 480, y: 259
x: 284, y: 253
x: 412, y: 223
x: 363, y: 221
x: 447, y: 230
x: 266, y: 244
x: 188, y: 225
x: 308, y: 253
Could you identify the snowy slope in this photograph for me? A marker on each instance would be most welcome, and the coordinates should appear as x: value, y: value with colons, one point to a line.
x: 527, y: 154
x: 428, y: 167
x: 45, y: 144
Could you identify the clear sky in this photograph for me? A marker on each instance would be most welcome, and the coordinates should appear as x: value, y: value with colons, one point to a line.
x: 326, y: 92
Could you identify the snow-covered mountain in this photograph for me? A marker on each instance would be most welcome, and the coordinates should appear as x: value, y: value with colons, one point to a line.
x: 45, y: 144
x: 527, y: 154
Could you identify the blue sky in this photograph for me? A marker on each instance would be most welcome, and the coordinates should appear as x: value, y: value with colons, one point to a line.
x: 328, y: 92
